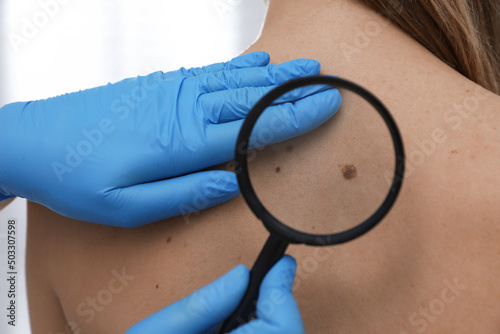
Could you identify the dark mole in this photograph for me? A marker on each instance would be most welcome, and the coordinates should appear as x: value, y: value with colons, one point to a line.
x: 278, y: 169
x: 289, y: 149
x: 157, y: 286
x: 454, y: 151
x: 169, y: 239
x: 349, y: 172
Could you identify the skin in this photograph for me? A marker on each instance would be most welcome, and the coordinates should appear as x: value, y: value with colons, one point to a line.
x: 432, y: 264
x: 3, y: 204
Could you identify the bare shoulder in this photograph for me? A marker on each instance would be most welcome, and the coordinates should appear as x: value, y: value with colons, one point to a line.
x: 442, y: 234
x: 433, y: 260
x: 6, y: 202
x: 46, y: 312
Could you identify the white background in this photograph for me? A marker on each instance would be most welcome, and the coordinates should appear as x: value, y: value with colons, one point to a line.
x: 78, y: 44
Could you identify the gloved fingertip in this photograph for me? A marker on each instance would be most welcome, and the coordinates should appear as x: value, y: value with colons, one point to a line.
x: 289, y: 269
x: 335, y: 98
x: 308, y: 66
x: 258, y: 58
x: 290, y: 262
x: 326, y: 103
x: 222, y: 185
x: 239, y: 274
x: 334, y: 95
x: 276, y: 305
x: 260, y: 55
x: 234, y: 284
x: 281, y: 276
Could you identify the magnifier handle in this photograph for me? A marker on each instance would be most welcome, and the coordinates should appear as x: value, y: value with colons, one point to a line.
x: 272, y: 252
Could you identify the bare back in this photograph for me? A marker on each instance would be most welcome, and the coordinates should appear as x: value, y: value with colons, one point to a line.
x: 433, y: 263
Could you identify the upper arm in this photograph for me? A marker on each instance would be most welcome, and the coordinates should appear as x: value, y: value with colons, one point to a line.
x: 46, y: 314
x: 6, y: 202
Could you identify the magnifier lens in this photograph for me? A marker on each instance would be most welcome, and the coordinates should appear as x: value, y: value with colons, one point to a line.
x: 328, y: 180
x: 325, y: 188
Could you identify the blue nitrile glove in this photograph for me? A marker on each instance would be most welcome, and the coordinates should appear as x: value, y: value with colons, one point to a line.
x: 204, y: 310
x: 125, y: 154
x: 2, y: 197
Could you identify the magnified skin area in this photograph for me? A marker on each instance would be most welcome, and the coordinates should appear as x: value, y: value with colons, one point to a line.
x: 431, y: 266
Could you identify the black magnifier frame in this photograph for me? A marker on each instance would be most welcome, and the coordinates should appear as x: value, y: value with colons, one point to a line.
x: 281, y: 234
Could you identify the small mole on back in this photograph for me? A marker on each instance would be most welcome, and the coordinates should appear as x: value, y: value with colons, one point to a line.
x: 278, y: 169
x: 169, y: 239
x: 289, y: 149
x: 349, y: 172
x: 157, y: 286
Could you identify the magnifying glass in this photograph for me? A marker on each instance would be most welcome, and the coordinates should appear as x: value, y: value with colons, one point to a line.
x: 281, y: 234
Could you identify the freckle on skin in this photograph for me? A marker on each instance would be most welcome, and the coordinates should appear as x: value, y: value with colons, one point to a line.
x: 169, y: 239
x: 349, y: 172
x: 278, y: 169
x: 289, y: 148
x: 157, y: 286
x: 454, y: 151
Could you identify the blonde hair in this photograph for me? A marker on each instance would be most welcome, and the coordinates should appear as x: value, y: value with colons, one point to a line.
x: 463, y: 33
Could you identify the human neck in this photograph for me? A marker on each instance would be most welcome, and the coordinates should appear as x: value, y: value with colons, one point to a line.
x: 356, y: 43
x: 345, y: 36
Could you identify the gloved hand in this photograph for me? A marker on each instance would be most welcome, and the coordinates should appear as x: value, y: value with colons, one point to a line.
x: 205, y: 309
x: 125, y: 154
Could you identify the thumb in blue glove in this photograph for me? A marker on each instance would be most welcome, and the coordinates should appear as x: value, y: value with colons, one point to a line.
x: 205, y: 309
x: 277, y: 311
